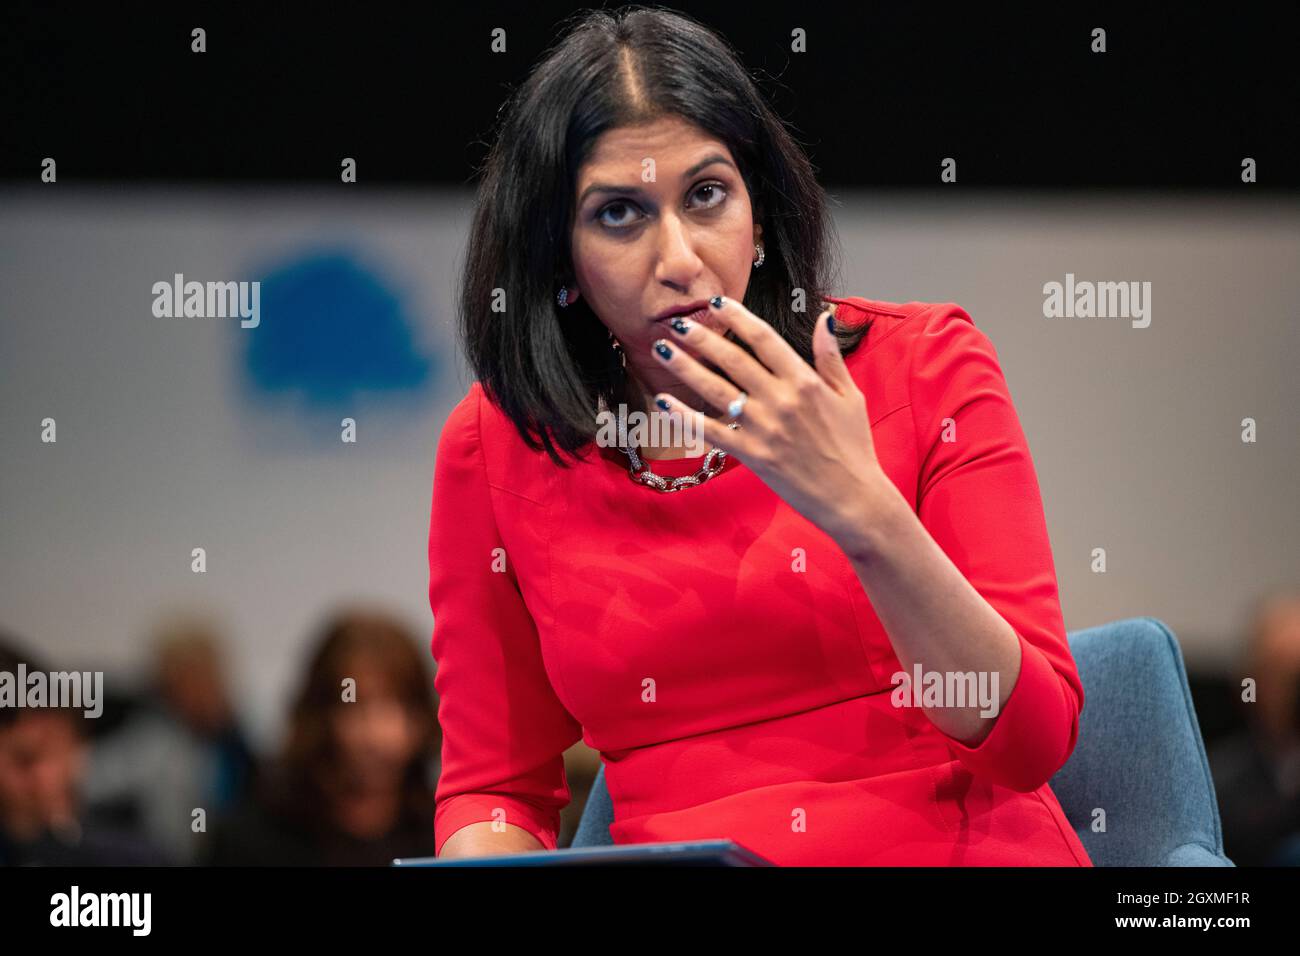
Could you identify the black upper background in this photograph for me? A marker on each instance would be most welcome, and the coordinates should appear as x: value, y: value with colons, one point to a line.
x: 412, y: 90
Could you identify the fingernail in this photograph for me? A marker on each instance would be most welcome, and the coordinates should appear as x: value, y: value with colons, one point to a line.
x: 830, y: 322
x: 662, y: 403
x: 680, y: 326
x: 717, y: 301
x: 662, y: 348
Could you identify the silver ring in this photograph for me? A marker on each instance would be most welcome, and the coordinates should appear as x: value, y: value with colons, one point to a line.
x: 737, y: 405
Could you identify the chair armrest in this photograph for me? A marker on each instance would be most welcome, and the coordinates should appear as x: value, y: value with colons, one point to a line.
x: 1195, y: 854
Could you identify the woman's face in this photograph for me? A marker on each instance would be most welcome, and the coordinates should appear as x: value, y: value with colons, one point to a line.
x: 376, y: 736
x: 643, y: 247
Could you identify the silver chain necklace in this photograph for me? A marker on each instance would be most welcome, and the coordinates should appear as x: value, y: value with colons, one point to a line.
x: 639, y: 470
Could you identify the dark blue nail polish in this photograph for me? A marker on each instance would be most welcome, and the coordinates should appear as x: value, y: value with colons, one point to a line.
x: 680, y: 326
x: 717, y: 301
x: 662, y: 403
x: 662, y: 348
x: 830, y: 322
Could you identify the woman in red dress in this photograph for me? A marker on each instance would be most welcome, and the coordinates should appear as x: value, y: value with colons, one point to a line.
x: 835, y: 638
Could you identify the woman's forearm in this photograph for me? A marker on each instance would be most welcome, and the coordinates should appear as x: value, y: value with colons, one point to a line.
x: 479, y: 839
x: 931, y: 613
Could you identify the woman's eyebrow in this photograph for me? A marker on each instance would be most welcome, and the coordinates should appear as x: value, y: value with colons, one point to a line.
x: 606, y: 188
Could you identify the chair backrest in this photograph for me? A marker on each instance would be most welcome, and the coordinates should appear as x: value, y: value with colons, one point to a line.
x: 1139, y: 758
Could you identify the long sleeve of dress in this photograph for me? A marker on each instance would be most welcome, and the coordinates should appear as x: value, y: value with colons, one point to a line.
x: 979, y: 498
x: 504, y: 731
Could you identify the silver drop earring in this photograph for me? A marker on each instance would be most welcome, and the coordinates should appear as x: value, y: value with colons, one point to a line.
x: 758, y: 247
x: 562, y: 297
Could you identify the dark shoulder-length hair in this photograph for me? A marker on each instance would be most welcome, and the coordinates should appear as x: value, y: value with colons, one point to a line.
x: 550, y: 370
x: 305, y: 783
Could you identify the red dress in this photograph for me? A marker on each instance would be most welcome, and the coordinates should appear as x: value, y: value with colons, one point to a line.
x: 731, y: 692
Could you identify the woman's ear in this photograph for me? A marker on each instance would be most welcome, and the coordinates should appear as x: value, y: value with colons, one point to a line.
x: 573, y: 296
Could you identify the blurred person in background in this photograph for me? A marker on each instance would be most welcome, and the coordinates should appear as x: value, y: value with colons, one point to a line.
x: 42, y: 759
x: 355, y: 783
x: 1257, y: 771
x: 183, y: 750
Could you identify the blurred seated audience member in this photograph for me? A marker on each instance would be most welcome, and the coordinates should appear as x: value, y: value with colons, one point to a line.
x: 355, y: 783
x: 1257, y: 771
x: 183, y: 750
x: 42, y: 760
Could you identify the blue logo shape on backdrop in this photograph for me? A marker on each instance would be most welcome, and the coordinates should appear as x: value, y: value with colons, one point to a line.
x: 330, y: 329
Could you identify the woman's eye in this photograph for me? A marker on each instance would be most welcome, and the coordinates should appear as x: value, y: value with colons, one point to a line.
x: 600, y: 216
x: 716, y: 189
x: 715, y: 193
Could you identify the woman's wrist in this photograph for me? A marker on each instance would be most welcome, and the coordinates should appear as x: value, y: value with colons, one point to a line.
x: 871, y: 517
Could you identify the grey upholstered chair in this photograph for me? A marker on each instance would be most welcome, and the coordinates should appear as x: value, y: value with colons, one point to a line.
x: 1139, y: 756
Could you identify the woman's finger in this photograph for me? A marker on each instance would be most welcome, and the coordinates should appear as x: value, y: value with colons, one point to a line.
x: 772, y: 350
x: 827, y: 355
x: 734, y: 441
x: 710, y: 386
x: 742, y: 368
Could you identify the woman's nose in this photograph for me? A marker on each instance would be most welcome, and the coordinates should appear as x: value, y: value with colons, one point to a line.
x: 678, y: 262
